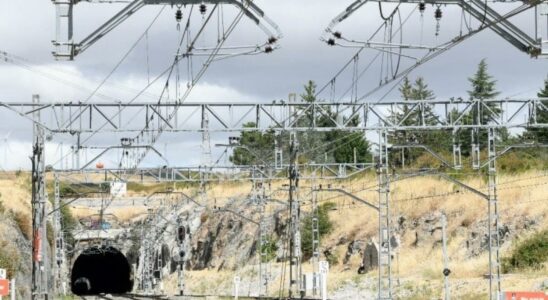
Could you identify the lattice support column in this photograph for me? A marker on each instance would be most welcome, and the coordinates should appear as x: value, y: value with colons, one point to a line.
x: 264, y: 249
x: 182, y: 232
x: 385, y: 272
x: 315, y: 242
x: 493, y: 219
x: 40, y: 266
x: 295, y: 278
x: 59, y: 246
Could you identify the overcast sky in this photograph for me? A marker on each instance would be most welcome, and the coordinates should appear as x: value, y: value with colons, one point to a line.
x: 27, y: 28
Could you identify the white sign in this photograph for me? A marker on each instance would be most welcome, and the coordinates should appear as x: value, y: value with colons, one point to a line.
x: 324, y: 267
x: 118, y: 189
x: 3, y: 274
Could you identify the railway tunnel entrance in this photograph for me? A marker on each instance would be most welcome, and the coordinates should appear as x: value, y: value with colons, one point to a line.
x: 101, y: 270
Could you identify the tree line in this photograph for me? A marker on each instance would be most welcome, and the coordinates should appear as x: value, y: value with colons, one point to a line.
x: 339, y: 146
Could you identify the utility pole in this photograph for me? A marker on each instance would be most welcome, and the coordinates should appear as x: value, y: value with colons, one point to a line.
x: 39, y: 234
x: 59, y: 246
x: 295, y: 274
x: 206, y: 140
x: 493, y: 231
x: 315, y: 240
x: 385, y: 272
x: 259, y: 198
x: 182, y: 232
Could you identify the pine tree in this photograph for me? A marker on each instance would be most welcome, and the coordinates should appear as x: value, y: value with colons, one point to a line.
x: 311, y: 142
x: 406, y: 89
x: 416, y: 91
x: 420, y: 91
x: 484, y: 88
x: 257, y: 148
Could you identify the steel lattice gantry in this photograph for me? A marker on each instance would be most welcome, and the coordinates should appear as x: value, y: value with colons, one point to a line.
x: 384, y: 118
x: 91, y: 118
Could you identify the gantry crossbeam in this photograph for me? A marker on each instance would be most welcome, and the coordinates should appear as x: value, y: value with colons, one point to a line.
x: 88, y: 118
x: 219, y: 173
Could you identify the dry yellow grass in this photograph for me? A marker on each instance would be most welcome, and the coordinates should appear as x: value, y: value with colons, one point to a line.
x: 15, y: 193
x: 519, y: 196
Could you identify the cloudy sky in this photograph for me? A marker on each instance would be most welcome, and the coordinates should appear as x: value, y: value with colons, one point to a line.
x: 28, y: 27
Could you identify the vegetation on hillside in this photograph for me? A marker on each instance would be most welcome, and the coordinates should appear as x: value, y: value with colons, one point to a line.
x: 270, y: 248
x: 325, y: 226
x: 9, y: 259
x: 531, y: 253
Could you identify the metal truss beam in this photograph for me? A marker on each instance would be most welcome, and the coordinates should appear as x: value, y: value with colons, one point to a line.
x: 279, y: 116
x: 219, y: 173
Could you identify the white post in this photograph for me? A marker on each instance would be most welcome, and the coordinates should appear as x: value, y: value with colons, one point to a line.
x: 12, y: 289
x: 236, y: 287
x: 446, y: 270
x: 324, y: 270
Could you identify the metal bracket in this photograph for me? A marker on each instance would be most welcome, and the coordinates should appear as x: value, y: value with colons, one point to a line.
x: 66, y: 48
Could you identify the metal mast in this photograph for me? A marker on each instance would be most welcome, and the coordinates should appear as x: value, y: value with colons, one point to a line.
x: 295, y: 281
x: 494, y: 237
x: 315, y: 240
x: 39, y: 240
x: 385, y: 272
x: 206, y: 140
x: 59, y: 245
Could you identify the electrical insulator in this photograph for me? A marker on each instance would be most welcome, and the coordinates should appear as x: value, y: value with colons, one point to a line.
x: 438, y: 14
x: 178, y: 15
x: 422, y: 7
x: 203, y: 9
x: 337, y: 35
x: 272, y: 40
x: 331, y: 42
x: 268, y: 49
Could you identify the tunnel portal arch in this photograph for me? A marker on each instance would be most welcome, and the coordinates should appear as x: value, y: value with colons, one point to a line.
x: 101, y: 270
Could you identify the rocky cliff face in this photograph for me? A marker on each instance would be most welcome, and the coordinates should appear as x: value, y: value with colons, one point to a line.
x: 15, y: 254
x: 228, y: 237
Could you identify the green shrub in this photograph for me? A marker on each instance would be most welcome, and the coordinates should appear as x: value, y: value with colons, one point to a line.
x: 24, y: 223
x: 531, y: 253
x: 50, y: 234
x: 9, y: 259
x: 68, y: 224
x: 72, y: 190
x: 332, y: 259
x: 325, y: 226
x: 270, y: 248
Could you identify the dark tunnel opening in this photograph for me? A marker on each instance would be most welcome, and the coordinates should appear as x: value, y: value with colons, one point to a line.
x: 101, y: 270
